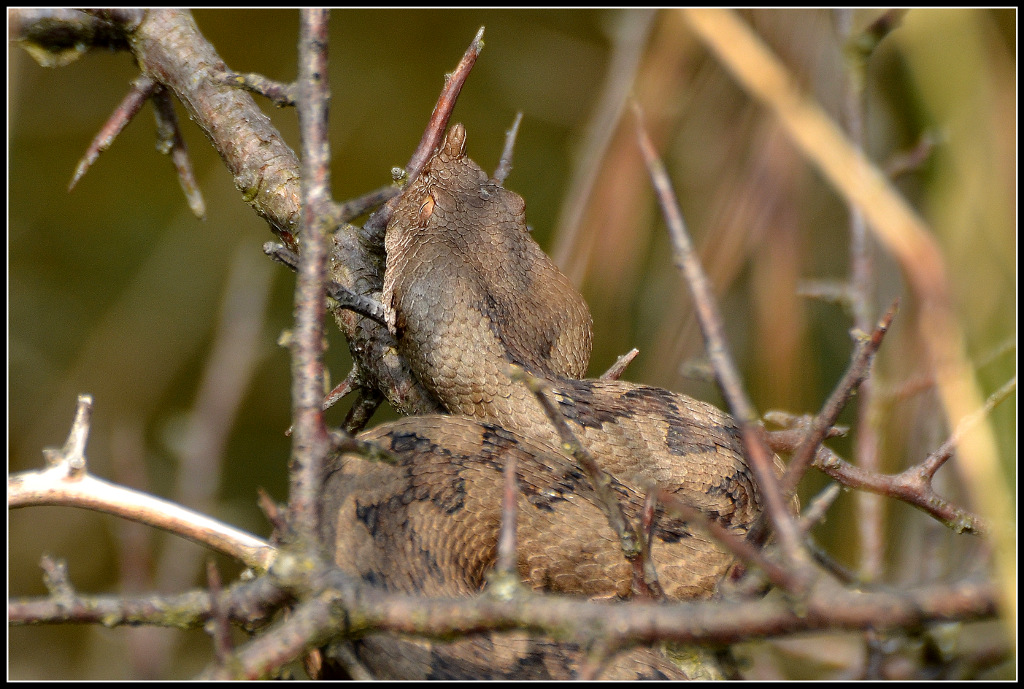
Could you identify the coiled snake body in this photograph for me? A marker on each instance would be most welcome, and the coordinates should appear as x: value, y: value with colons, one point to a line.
x: 467, y: 292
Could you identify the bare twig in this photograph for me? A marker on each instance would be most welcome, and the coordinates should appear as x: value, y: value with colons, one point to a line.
x: 910, y: 486
x: 142, y: 88
x: 66, y: 481
x: 740, y: 547
x: 343, y: 442
x: 364, y: 306
x: 309, y: 440
x: 507, y: 555
x: 374, y: 228
x: 629, y: 537
x: 55, y: 578
x: 505, y: 164
x: 362, y: 410
x: 169, y: 140
x: 866, y: 442
x: 855, y: 375
x: 221, y: 630
x: 445, y: 104
x: 619, y: 367
x: 904, y: 162
x: 247, y: 602
x: 817, y: 507
x: 758, y: 455
x: 279, y: 93
x: 353, y: 208
x: 272, y: 511
x: 938, y: 457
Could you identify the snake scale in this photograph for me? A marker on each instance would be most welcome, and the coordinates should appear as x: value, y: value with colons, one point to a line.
x: 467, y: 292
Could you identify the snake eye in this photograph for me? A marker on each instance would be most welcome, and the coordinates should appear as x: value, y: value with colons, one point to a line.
x: 427, y: 209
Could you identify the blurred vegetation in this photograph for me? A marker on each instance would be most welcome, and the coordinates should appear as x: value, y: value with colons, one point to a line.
x: 115, y: 288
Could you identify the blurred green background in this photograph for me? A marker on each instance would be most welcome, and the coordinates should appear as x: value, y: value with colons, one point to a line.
x: 115, y: 289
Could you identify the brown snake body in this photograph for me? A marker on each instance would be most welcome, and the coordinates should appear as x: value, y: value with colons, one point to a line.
x: 467, y: 292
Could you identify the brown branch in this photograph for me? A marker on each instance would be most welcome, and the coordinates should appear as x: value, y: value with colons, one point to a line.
x: 169, y: 48
x: 221, y: 631
x: 817, y: 507
x: 759, y: 457
x: 445, y: 104
x: 911, y: 486
x: 862, y: 270
x: 362, y: 410
x: 364, y: 306
x: 55, y: 578
x: 309, y: 439
x: 743, y: 549
x: 629, y: 537
x: 142, y: 88
x: 373, y: 230
x: 279, y: 93
x: 353, y: 208
x: 619, y: 367
x: 248, y: 602
x: 169, y: 140
x: 505, y: 569
x: 938, y: 457
x: 344, y: 442
x: 856, y: 374
x: 341, y: 608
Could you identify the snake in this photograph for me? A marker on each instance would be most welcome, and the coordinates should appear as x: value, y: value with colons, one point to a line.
x: 467, y: 293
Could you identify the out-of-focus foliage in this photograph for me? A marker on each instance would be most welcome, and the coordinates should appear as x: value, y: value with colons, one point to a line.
x: 114, y: 289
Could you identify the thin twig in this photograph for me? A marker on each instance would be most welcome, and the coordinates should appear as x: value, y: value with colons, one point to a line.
x: 505, y: 164
x: 279, y: 93
x: 55, y: 578
x: 738, y: 546
x: 367, y: 449
x: 507, y: 554
x: 340, y: 390
x: 862, y: 270
x: 619, y: 367
x: 817, y: 507
x: 374, y: 227
x: 758, y: 455
x: 628, y: 536
x: 221, y: 629
x: 364, y: 306
x: 309, y: 441
x: 142, y: 88
x: 855, y: 375
x: 938, y: 457
x: 353, y: 208
x: 909, y: 486
x: 359, y: 414
x: 169, y: 140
